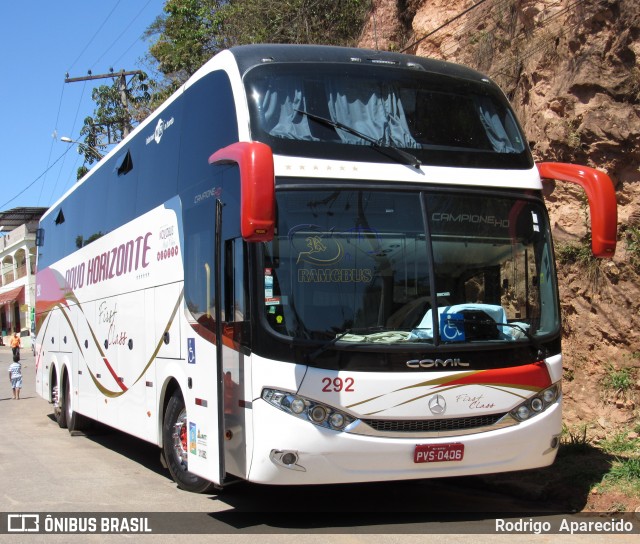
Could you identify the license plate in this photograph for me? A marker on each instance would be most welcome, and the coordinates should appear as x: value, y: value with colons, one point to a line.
x: 438, y: 453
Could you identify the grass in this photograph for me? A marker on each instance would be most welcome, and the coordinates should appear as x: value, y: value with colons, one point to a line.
x: 608, y: 470
x: 632, y: 239
x: 624, y: 476
x: 611, y: 466
x: 580, y: 253
x: 619, y: 381
x: 574, y: 436
x: 619, y: 444
x: 574, y: 252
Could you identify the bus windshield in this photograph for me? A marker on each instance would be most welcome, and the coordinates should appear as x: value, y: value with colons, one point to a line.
x: 411, y: 266
x: 358, y: 112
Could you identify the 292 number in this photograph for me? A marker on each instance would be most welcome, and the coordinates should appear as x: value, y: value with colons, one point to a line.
x: 336, y: 385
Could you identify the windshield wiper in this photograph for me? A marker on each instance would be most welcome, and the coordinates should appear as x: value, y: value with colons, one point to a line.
x: 324, y: 347
x: 542, y: 351
x: 390, y: 151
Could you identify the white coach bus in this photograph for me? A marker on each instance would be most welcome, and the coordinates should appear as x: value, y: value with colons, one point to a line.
x: 315, y: 265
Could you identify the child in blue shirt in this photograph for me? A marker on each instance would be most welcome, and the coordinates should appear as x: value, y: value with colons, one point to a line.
x: 15, y: 377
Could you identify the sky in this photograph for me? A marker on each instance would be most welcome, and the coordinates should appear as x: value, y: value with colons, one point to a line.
x: 41, y: 42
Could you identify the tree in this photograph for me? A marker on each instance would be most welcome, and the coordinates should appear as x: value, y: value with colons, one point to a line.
x: 190, y: 32
x: 188, y: 35
x: 119, y: 107
x: 295, y: 21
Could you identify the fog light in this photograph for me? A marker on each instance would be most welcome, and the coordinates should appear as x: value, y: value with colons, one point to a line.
x: 289, y: 458
x: 554, y: 442
x: 318, y: 414
x: 286, y: 459
x: 536, y: 405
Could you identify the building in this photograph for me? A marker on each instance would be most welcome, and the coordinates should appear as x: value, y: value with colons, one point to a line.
x: 18, y: 268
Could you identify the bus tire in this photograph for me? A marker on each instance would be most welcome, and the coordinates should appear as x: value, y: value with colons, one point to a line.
x: 75, y: 421
x: 175, y: 438
x: 59, y: 410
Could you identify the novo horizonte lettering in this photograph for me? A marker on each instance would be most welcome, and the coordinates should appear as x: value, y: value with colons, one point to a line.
x: 127, y: 257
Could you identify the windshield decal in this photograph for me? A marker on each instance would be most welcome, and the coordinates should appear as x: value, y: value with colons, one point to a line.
x: 324, y: 251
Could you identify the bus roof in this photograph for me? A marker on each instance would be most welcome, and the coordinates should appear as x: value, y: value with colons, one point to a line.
x: 248, y: 56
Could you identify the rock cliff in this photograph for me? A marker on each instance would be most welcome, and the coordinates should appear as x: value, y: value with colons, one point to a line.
x: 570, y: 69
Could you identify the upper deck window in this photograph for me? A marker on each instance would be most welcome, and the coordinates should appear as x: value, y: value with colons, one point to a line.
x: 353, y: 112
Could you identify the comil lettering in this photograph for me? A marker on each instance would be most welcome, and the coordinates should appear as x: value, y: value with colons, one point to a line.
x: 432, y: 363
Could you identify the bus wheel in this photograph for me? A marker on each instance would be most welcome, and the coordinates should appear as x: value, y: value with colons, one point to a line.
x: 175, y: 437
x: 75, y: 421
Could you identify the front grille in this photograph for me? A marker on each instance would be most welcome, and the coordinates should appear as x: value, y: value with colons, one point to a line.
x: 432, y: 425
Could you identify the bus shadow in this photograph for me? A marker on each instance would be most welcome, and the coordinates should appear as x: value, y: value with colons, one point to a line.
x: 415, y: 506
x: 561, y: 488
x: 567, y: 483
x: 134, y: 449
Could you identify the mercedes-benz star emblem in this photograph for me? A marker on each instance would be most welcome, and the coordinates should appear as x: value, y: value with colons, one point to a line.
x: 437, y: 404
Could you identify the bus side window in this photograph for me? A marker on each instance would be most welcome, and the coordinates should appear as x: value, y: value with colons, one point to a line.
x: 198, y: 259
x: 235, y: 311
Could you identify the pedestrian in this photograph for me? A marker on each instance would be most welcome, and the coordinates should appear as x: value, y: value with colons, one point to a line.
x: 15, y: 377
x: 16, y: 344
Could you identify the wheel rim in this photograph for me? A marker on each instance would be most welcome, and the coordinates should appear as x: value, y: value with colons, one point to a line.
x: 180, y: 435
x: 56, y: 402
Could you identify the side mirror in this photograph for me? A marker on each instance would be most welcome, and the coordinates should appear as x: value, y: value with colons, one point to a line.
x: 257, y: 187
x: 601, y: 194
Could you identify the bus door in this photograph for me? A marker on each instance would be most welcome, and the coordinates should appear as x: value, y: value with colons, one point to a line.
x: 235, y: 356
x: 202, y: 355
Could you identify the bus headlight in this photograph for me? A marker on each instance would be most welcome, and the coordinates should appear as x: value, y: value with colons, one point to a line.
x: 317, y: 413
x: 297, y: 406
x: 537, y: 404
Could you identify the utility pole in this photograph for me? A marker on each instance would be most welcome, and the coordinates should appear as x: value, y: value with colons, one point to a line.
x: 122, y: 87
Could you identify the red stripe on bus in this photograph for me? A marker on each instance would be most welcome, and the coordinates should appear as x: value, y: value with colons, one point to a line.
x: 115, y: 376
x: 533, y: 375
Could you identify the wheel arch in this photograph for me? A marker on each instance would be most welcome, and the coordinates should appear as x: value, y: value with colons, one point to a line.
x: 169, y: 387
x: 58, y: 371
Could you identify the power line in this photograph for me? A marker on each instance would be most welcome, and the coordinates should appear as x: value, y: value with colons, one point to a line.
x: 35, y: 180
x: 55, y: 132
x: 128, y: 48
x: 443, y: 25
x: 75, y: 119
x: 122, y: 34
x: 508, y: 67
x: 455, y: 41
x: 95, y: 34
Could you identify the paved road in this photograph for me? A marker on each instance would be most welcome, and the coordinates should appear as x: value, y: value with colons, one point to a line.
x: 44, y: 469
